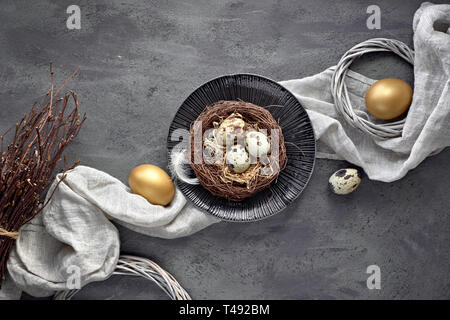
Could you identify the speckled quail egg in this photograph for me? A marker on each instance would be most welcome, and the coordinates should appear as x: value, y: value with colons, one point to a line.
x: 345, y: 181
x: 230, y: 129
x: 237, y: 159
x: 257, y: 144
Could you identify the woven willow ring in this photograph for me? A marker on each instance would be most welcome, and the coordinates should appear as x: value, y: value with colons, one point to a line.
x: 340, y: 93
x: 141, y: 267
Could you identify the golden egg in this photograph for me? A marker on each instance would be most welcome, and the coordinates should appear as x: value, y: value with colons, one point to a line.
x: 153, y: 183
x: 388, y: 98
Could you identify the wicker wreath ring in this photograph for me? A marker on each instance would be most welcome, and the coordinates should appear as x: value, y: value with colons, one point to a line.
x: 340, y: 93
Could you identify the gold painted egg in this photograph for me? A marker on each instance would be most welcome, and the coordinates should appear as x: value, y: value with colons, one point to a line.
x: 153, y: 183
x: 389, y: 98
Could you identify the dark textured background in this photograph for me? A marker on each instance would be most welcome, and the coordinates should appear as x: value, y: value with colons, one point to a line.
x: 140, y: 59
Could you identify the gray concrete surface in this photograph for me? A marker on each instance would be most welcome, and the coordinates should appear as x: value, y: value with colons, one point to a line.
x: 140, y: 59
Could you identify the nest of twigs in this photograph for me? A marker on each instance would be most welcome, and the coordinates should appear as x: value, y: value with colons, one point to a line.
x: 217, y: 177
x: 27, y: 163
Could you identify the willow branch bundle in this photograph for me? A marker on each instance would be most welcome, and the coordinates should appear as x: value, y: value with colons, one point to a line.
x: 211, y: 176
x: 27, y: 164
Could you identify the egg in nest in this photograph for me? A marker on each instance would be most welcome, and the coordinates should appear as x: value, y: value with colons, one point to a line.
x: 231, y: 128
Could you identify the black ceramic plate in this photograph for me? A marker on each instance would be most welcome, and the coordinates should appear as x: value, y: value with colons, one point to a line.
x: 298, y: 135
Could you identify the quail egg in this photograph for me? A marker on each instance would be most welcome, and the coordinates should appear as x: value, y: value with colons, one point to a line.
x: 237, y: 159
x: 257, y: 144
x: 230, y: 129
x: 345, y: 181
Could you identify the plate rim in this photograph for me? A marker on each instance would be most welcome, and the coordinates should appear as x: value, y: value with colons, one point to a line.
x: 177, y: 181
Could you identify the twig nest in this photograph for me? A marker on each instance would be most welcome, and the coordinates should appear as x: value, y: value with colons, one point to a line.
x: 237, y: 159
x: 231, y: 128
x: 345, y: 181
x: 257, y: 144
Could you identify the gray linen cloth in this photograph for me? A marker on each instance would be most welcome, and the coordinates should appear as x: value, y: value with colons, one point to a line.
x: 74, y: 229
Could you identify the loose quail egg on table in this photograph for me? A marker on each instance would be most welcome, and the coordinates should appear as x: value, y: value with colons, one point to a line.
x: 257, y: 144
x: 231, y: 128
x: 237, y: 159
x: 345, y: 181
